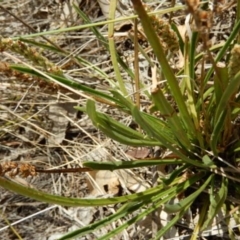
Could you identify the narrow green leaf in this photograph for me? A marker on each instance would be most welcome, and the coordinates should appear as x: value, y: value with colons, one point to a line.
x: 171, y: 116
x: 91, y: 111
x: 98, y: 73
x: 64, y: 201
x: 156, y: 134
x: 76, y: 202
x: 94, y: 29
x: 112, y: 49
x: 133, y: 220
x: 119, y: 127
x: 208, y: 162
x: 219, y: 85
x: 129, y: 164
x: 223, y: 109
x: 122, y: 212
x: 217, y: 200
x: 189, y: 83
x: 217, y: 131
x: 160, y: 126
x: 155, y: 203
x: 103, y: 40
x: 116, y: 130
x: 231, y: 89
x: 202, y: 214
x: 41, y: 45
x: 119, y: 137
x: 192, y: 54
x: 167, y: 70
x: 181, y: 42
x: 174, y: 174
x: 95, y: 24
x: 170, y: 224
x: 173, y: 208
x: 224, y: 48
x: 65, y: 81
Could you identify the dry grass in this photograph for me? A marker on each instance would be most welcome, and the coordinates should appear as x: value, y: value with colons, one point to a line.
x: 35, y: 117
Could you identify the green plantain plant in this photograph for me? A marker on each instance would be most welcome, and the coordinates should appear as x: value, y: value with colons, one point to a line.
x: 199, y: 125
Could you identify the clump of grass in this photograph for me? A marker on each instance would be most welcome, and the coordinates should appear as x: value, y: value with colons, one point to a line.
x: 199, y: 127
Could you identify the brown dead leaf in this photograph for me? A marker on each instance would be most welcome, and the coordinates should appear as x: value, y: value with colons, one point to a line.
x: 107, y: 181
x: 138, y: 153
x: 113, y: 182
x: 131, y: 181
